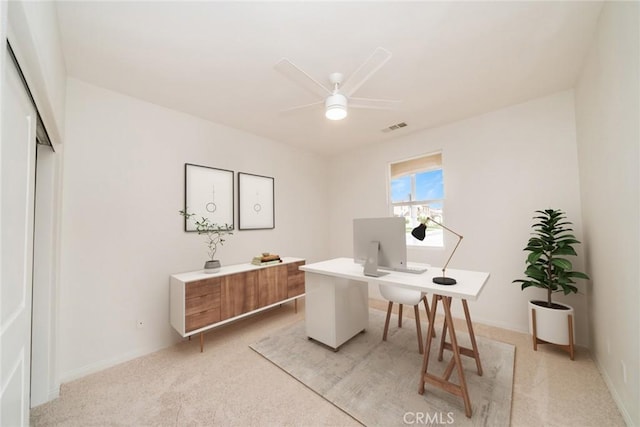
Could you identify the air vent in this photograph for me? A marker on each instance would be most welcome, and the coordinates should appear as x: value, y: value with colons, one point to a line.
x: 394, y: 127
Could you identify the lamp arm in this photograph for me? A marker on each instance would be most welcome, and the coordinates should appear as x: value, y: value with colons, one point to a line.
x: 451, y: 256
x: 446, y: 228
x: 454, y: 249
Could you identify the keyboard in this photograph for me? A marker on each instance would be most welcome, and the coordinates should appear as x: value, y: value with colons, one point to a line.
x: 413, y: 270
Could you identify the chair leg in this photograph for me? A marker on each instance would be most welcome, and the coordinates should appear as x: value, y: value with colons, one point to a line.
x: 400, y: 316
x: 386, y: 323
x: 426, y: 308
x: 418, y: 329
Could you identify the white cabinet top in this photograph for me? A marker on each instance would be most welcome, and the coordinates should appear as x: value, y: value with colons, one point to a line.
x: 192, y: 276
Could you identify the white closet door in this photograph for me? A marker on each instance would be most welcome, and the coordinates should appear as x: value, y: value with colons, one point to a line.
x: 17, y: 177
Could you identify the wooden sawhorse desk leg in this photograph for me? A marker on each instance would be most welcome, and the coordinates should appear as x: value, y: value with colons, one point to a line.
x: 473, y: 351
x: 455, y: 363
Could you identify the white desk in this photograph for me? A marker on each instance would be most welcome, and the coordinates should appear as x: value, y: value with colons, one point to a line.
x: 337, y: 309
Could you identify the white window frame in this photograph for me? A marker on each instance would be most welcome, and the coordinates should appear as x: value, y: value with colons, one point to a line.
x: 438, y: 240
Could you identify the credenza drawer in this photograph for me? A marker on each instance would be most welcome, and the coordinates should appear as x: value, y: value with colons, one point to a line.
x: 199, y: 320
x: 202, y: 303
x: 202, y: 287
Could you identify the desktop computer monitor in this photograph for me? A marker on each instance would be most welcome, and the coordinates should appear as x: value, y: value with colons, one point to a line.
x: 380, y: 242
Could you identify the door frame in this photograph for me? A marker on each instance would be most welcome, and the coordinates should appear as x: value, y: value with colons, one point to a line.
x: 45, y: 381
x: 45, y: 385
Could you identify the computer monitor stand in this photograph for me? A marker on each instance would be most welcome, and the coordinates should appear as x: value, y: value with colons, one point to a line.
x: 371, y: 264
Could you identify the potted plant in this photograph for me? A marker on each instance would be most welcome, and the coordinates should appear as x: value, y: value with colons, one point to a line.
x: 549, y: 269
x: 214, y: 237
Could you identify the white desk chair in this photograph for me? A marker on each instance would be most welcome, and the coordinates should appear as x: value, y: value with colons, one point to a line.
x: 404, y: 297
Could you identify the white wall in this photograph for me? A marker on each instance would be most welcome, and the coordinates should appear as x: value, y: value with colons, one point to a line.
x: 498, y: 169
x: 121, y: 233
x: 607, y: 117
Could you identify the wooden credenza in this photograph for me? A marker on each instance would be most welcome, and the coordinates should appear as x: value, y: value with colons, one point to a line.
x: 199, y: 301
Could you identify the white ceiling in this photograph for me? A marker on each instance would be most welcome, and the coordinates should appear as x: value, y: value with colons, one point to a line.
x: 216, y: 60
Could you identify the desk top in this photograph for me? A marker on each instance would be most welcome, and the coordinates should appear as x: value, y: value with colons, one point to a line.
x: 469, y: 286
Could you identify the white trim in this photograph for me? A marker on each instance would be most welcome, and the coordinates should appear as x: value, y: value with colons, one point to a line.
x: 22, y: 35
x: 614, y: 393
x: 45, y: 283
x: 106, y: 363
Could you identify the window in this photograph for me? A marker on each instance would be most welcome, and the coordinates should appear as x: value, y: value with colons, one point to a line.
x: 417, y: 192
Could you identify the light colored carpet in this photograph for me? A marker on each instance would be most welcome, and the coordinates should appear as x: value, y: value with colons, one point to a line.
x: 232, y: 385
x: 376, y: 382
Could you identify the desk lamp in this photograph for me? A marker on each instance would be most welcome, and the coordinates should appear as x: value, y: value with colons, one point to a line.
x: 420, y: 232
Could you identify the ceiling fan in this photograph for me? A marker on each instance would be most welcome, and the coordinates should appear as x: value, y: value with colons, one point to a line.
x: 338, y: 97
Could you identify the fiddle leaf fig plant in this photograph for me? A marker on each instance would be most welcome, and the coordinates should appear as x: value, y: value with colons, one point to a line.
x: 551, y: 243
x: 214, y: 233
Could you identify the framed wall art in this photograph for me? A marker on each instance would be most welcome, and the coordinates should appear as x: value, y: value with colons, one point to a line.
x: 209, y: 194
x: 255, y: 202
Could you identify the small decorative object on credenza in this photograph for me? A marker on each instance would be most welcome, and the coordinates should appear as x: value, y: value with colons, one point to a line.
x: 420, y: 232
x: 266, y: 259
x: 214, y: 236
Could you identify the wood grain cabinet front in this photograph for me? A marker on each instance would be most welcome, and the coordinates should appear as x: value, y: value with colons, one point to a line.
x: 199, y: 301
x: 202, y: 303
x: 272, y: 285
x: 239, y: 294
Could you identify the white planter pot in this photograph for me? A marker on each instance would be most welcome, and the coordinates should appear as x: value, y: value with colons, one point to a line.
x: 552, y: 325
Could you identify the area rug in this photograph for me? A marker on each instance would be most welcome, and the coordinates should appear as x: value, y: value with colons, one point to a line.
x: 376, y: 382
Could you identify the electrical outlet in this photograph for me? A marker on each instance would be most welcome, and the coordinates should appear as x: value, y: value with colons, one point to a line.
x: 624, y: 371
x: 140, y: 324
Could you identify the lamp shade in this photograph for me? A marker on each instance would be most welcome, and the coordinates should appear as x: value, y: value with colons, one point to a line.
x: 336, y: 107
x: 419, y: 232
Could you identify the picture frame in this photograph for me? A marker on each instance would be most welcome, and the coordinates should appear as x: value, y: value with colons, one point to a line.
x: 256, y: 203
x: 208, y: 193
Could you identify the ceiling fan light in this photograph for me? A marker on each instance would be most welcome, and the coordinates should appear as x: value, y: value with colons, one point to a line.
x: 336, y: 107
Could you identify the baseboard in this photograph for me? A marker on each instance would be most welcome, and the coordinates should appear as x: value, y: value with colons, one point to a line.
x: 501, y: 325
x: 616, y: 397
x: 458, y: 314
x: 108, y: 363
x: 54, y: 393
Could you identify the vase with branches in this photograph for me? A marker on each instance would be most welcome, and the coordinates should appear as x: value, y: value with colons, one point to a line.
x: 214, y: 236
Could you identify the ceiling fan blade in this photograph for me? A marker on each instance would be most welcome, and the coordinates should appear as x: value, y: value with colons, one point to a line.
x: 374, y: 104
x: 301, y: 107
x: 292, y: 71
x: 379, y: 57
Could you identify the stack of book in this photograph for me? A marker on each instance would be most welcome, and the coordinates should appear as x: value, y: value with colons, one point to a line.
x: 266, y: 259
